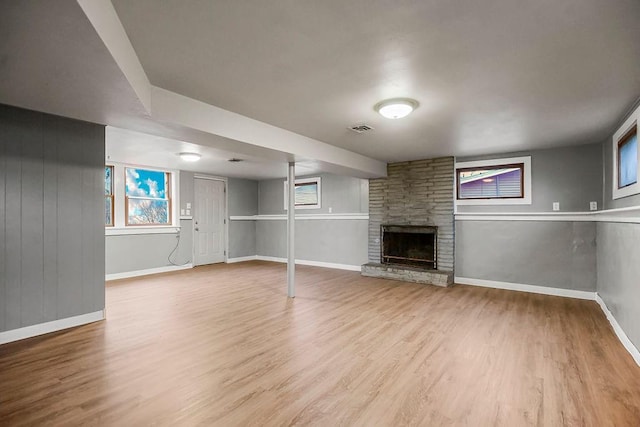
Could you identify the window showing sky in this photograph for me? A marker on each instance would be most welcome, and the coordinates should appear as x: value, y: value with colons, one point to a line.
x: 107, y: 180
x: 145, y: 183
x: 628, y: 169
x: 307, y: 194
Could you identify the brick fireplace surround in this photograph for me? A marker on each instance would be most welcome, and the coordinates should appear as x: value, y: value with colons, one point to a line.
x: 414, y: 193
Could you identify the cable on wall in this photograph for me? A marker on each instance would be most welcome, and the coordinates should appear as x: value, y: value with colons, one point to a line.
x: 174, y: 250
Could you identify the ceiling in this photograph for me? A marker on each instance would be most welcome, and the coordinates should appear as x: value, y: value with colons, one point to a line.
x: 491, y: 76
x: 126, y: 146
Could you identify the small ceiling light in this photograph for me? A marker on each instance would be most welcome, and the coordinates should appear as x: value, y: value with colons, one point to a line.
x: 190, y: 157
x: 396, y: 108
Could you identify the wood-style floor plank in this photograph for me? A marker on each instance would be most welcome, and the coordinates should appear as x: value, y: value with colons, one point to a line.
x: 222, y: 345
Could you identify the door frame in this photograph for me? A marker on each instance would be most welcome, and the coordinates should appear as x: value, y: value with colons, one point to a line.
x: 226, y: 214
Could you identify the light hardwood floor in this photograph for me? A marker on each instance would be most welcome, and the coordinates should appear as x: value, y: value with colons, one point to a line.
x: 222, y: 345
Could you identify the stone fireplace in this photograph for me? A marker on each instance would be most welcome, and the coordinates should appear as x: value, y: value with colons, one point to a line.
x: 411, y: 223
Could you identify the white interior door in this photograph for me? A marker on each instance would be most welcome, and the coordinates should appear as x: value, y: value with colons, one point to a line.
x: 209, y: 221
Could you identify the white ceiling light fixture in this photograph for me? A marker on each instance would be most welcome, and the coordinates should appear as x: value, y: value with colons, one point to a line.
x: 396, y: 108
x: 190, y: 157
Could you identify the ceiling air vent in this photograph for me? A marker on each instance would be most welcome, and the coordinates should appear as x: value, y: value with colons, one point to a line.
x: 361, y: 128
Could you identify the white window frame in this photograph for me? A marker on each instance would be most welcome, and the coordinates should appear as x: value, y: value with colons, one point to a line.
x: 632, y: 189
x: 315, y: 180
x: 119, y: 227
x: 526, y: 188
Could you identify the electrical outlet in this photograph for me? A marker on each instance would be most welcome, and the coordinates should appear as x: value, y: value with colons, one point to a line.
x: 593, y: 206
x: 556, y: 206
x: 188, y: 212
x: 330, y: 209
x: 182, y: 212
x: 188, y: 205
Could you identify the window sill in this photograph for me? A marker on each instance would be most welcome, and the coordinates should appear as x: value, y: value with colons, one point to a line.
x: 111, y: 231
x: 485, y: 202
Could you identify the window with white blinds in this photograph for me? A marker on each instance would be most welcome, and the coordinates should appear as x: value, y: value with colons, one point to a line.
x: 501, y: 181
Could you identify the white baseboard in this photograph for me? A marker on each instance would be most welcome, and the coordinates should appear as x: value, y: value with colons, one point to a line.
x: 348, y: 267
x: 136, y: 273
x: 48, y: 327
x: 242, y: 259
x: 569, y: 293
x: 303, y: 217
x: 622, y: 336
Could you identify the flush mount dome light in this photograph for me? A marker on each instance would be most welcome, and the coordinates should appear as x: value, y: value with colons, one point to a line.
x: 190, y: 157
x: 396, y: 108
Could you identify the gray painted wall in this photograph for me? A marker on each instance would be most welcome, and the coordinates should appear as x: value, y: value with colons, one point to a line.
x: 619, y: 274
x: 132, y: 252
x: 243, y: 196
x: 334, y: 241
x: 343, y: 194
x: 243, y: 201
x: 554, y: 254
x: 51, y: 217
x: 125, y: 253
x: 619, y: 255
x: 569, y: 175
x: 186, y: 189
x: 242, y: 239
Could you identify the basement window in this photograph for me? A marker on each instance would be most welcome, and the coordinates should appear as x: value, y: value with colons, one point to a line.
x: 147, y: 197
x: 499, y: 181
x: 140, y: 200
x: 108, y: 196
x: 308, y: 193
x: 628, y: 158
x: 626, y: 176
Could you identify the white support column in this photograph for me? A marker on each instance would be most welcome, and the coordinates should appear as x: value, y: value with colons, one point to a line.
x: 291, y: 227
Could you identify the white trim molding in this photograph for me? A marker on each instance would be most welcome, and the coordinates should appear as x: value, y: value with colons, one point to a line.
x: 136, y: 273
x: 111, y: 231
x: 283, y: 217
x: 626, y: 215
x: 525, y: 200
x: 48, y: 327
x: 242, y: 259
x: 323, y: 264
x: 622, y: 336
x: 535, y: 289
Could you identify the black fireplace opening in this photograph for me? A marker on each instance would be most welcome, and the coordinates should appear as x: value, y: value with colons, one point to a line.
x: 410, y: 245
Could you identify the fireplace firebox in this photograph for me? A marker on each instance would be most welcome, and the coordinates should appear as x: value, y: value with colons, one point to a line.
x: 409, y: 245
